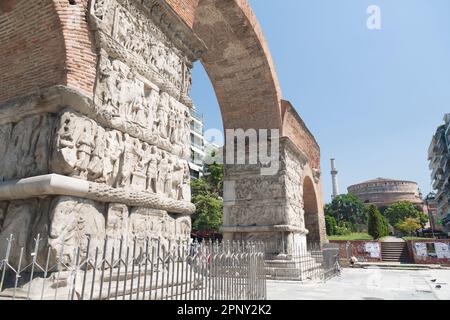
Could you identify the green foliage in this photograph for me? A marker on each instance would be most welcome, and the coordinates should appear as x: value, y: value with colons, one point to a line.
x: 343, y: 228
x: 331, y: 225
x: 207, y: 196
x: 377, y: 224
x: 408, y: 226
x: 214, y: 178
x: 423, y: 219
x: 347, y: 208
x: 208, y: 215
x: 200, y: 187
x: 400, y: 211
x: 351, y: 236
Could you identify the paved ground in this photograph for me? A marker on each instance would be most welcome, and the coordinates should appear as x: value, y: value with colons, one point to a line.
x: 368, y: 284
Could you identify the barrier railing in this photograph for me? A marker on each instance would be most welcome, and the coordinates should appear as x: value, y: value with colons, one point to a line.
x: 137, y: 269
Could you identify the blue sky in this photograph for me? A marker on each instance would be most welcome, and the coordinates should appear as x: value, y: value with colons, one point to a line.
x: 373, y: 99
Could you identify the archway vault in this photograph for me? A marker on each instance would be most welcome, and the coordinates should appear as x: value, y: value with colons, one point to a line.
x: 239, y: 65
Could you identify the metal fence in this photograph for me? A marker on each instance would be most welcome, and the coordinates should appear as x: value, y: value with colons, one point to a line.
x: 301, y: 261
x: 149, y: 269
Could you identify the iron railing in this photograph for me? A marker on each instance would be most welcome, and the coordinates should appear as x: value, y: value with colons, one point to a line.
x: 145, y: 269
x: 301, y: 261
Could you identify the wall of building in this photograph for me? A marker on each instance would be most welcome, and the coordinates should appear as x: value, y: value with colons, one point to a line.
x: 32, y: 49
x: 297, y: 131
x: 185, y: 9
x: 384, y: 192
x: 439, y: 158
x: 430, y: 251
x: 364, y: 251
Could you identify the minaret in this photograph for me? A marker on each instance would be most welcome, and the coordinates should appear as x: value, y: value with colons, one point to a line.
x: 334, y: 173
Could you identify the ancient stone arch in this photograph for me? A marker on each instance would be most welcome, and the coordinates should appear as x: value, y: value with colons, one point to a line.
x: 311, y: 210
x: 95, y: 113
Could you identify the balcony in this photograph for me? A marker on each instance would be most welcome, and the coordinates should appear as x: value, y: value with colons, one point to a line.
x: 197, y: 116
x: 438, y: 183
x: 197, y: 129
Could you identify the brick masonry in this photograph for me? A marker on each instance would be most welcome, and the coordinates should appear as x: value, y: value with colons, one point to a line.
x: 185, y: 9
x: 49, y: 44
x: 429, y: 259
x: 32, y: 47
x: 357, y: 249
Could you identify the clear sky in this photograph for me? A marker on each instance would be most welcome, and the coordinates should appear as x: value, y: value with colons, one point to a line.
x: 372, y: 98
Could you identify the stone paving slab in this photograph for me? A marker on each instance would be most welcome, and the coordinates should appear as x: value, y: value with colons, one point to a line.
x: 368, y: 284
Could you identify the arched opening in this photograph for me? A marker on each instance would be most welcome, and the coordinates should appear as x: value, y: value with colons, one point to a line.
x: 311, y: 211
x: 239, y: 65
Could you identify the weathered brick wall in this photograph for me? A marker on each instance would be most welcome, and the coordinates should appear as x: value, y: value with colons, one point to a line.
x: 32, y: 48
x: 296, y: 130
x: 185, y: 9
x: 45, y: 43
x: 429, y: 259
x: 356, y: 248
x: 81, y: 58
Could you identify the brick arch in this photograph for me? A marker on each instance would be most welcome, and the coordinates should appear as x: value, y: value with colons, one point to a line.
x: 239, y: 64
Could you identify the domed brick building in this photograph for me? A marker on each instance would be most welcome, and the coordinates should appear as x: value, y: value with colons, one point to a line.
x: 384, y: 192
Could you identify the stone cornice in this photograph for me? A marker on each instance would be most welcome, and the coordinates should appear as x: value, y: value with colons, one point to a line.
x: 58, y: 185
x: 263, y: 229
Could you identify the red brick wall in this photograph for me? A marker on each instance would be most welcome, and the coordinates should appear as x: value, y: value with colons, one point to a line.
x: 185, y: 9
x: 296, y: 130
x: 81, y: 58
x: 356, y: 249
x: 32, y: 48
x: 45, y: 43
x: 427, y: 260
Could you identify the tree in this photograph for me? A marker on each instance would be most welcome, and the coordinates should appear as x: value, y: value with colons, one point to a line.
x: 207, y: 195
x: 408, y: 226
x: 347, y: 208
x: 377, y: 224
x: 423, y: 219
x: 214, y: 178
x: 330, y: 223
x: 200, y: 187
x: 208, y: 214
x: 400, y: 211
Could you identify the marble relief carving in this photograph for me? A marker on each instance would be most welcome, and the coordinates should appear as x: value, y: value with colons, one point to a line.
x: 85, y: 150
x: 131, y: 141
x: 72, y: 220
x: 131, y: 26
x: 133, y: 105
x: 23, y: 147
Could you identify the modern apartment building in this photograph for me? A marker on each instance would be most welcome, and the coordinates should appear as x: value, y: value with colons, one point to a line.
x: 439, y: 158
x: 196, y: 163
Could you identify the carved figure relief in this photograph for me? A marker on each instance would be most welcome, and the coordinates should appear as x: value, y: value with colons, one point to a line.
x: 184, y: 227
x: 131, y: 104
x: 136, y: 32
x: 85, y: 150
x: 72, y: 220
x: 24, y: 147
x: 117, y: 221
x: 259, y: 188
